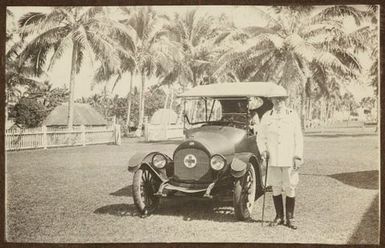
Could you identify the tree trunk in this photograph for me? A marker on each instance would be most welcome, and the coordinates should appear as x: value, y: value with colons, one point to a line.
x: 70, y: 118
x: 167, y: 96
x: 302, y: 112
x: 129, y: 101
x: 172, y: 97
x: 194, y: 79
x: 141, y: 105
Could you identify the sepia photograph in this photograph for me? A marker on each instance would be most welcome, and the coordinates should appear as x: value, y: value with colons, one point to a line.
x: 192, y: 123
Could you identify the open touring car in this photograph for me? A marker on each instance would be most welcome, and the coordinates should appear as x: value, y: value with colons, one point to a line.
x: 219, y: 156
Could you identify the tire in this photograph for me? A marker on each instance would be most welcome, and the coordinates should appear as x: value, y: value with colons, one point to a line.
x: 244, y: 194
x: 145, y: 184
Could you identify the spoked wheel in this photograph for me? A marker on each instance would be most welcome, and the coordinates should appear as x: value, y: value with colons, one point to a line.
x: 145, y: 185
x: 244, y: 194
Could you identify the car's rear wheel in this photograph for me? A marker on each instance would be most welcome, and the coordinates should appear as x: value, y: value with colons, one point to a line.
x: 145, y: 185
x: 244, y: 194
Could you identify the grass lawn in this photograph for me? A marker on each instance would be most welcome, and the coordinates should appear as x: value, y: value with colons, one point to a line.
x: 83, y: 194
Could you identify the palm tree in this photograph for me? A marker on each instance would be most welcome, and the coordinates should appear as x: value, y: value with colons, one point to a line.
x: 154, y: 52
x: 85, y: 30
x: 294, y: 46
x: 105, y: 73
x: 18, y: 74
x: 198, y: 36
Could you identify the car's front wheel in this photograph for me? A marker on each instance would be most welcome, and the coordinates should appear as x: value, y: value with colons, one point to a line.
x: 244, y: 194
x: 145, y: 185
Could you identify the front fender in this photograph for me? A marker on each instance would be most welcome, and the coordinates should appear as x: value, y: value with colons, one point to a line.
x: 137, y: 159
x: 240, y: 164
x: 145, y: 159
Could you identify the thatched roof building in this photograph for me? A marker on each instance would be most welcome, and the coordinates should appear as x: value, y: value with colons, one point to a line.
x: 84, y: 114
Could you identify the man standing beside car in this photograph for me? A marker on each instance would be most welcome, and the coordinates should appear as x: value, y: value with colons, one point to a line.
x: 280, y: 141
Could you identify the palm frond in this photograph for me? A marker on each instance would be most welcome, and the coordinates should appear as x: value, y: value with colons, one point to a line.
x: 125, y: 34
x: 80, y: 36
x: 256, y: 30
x: 271, y: 21
x: 348, y: 59
x: 91, y: 12
x: 300, y: 47
x: 339, y: 11
x: 79, y: 57
x: 327, y: 59
x: 116, y: 81
x: 327, y: 26
x: 104, y: 48
x: 42, y: 23
x: 31, y: 18
x: 59, y: 49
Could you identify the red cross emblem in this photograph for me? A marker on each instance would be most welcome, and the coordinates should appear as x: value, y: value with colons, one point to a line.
x: 190, y: 161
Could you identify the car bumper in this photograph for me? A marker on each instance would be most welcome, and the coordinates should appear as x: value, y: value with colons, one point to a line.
x: 168, y: 186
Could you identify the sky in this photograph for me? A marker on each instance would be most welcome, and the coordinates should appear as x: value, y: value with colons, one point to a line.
x: 242, y: 16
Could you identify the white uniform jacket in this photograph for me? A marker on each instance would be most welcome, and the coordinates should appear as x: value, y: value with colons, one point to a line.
x: 281, y: 135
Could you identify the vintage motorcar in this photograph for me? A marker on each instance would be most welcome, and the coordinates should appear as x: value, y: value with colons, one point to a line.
x: 219, y: 156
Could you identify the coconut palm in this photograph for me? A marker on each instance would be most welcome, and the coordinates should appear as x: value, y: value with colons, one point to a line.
x: 198, y: 35
x: 371, y: 35
x: 105, y: 73
x: 295, y: 45
x: 19, y: 75
x: 87, y: 31
x: 154, y: 52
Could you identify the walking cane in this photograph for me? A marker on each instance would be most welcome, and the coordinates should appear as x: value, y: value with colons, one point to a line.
x: 264, y: 192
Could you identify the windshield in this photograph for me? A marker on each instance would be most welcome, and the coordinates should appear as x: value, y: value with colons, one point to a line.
x: 215, y: 111
x: 202, y: 110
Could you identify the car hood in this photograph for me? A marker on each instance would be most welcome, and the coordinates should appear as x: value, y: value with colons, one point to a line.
x: 215, y: 139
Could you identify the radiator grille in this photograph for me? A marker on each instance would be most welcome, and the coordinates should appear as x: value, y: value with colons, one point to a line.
x: 200, y: 173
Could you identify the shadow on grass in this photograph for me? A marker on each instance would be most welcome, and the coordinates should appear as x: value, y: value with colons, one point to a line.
x: 190, y: 208
x: 359, y: 179
x: 126, y: 191
x: 118, y: 210
x: 367, y: 231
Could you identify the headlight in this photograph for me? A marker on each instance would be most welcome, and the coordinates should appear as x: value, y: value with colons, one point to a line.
x: 217, y: 162
x: 159, y: 161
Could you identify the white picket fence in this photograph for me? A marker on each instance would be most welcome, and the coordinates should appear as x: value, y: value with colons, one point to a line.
x: 44, y: 137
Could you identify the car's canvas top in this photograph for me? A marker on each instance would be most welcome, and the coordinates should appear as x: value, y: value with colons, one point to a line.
x: 237, y: 89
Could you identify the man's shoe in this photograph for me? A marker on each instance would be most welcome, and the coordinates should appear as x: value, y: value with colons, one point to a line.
x: 277, y: 221
x: 290, y: 203
x: 278, y: 204
x: 291, y: 223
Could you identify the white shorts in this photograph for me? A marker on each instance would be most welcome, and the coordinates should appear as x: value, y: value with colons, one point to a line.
x: 284, y: 178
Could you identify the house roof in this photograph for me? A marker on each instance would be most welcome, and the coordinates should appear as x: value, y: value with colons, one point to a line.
x: 84, y: 114
x: 238, y: 89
